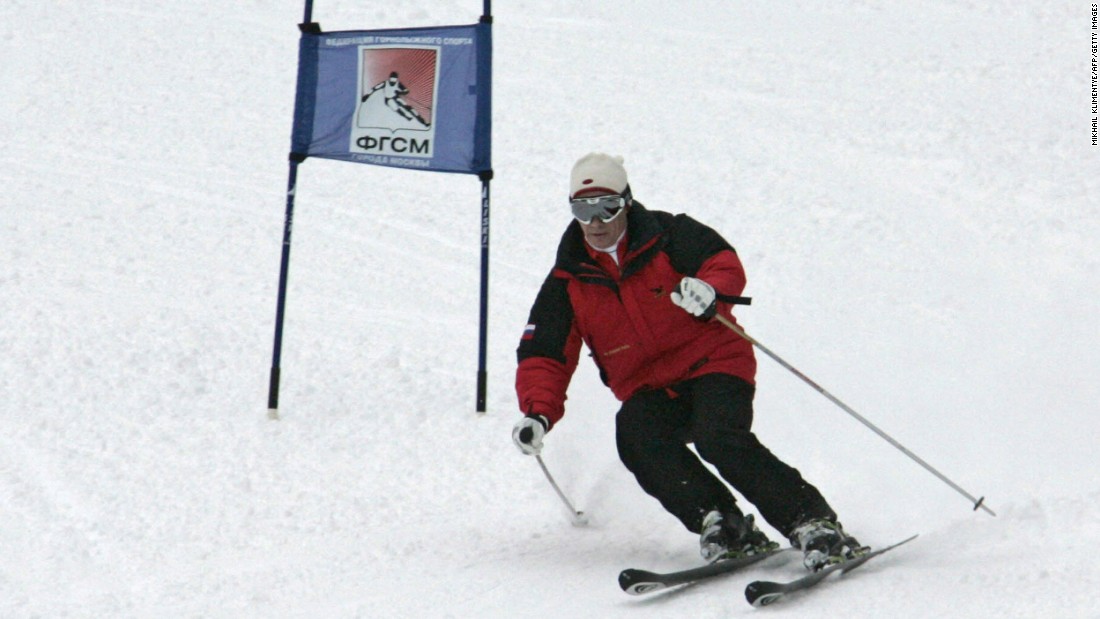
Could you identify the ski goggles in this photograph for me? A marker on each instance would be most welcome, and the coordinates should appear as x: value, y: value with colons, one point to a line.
x: 607, y: 208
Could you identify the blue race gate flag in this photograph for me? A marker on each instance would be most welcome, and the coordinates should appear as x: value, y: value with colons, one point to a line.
x: 409, y: 98
x: 418, y: 98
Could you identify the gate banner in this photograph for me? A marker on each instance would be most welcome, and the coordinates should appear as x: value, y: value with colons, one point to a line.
x: 409, y: 98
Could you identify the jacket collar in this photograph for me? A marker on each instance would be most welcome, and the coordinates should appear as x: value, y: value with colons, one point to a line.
x: 644, y: 235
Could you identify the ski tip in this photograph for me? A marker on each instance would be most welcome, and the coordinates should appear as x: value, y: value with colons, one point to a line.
x: 761, y: 594
x: 638, y: 582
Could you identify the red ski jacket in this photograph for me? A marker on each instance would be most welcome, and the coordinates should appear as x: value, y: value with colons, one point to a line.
x: 638, y: 338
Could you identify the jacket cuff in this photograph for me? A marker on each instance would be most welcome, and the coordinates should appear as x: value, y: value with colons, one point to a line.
x: 543, y: 419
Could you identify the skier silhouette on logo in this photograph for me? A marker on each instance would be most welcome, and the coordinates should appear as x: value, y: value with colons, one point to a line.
x: 392, y: 91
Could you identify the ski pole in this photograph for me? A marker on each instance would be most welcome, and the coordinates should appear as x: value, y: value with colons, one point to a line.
x: 979, y: 502
x: 578, y: 518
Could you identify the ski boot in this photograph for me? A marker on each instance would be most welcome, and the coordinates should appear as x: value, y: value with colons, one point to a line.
x: 824, y: 543
x: 731, y: 536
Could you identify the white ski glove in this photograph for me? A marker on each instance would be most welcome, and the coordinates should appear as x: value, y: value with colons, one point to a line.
x: 696, y: 297
x: 528, y: 433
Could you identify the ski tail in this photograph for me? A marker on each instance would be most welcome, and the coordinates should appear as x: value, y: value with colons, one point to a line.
x: 763, y: 592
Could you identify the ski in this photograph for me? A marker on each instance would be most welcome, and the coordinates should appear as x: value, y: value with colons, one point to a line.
x: 638, y: 582
x: 762, y: 592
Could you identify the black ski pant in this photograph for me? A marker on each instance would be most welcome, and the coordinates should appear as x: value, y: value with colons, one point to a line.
x: 653, y: 428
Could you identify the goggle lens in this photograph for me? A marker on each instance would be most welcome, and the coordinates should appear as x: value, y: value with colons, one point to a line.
x: 607, y: 208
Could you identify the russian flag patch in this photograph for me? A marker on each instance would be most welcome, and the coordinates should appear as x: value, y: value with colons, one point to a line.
x: 529, y: 332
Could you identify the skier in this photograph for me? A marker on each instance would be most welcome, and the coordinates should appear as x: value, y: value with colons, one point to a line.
x: 393, y: 92
x: 639, y: 288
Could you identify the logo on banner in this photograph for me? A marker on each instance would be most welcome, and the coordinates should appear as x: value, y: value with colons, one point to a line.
x: 395, y: 115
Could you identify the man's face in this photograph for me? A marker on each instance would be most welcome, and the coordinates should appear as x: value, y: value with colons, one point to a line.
x: 601, y: 234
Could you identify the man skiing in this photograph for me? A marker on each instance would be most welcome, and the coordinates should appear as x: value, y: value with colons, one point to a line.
x: 393, y: 92
x: 639, y: 288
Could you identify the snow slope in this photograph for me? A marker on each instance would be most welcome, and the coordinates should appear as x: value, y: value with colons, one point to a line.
x: 911, y: 186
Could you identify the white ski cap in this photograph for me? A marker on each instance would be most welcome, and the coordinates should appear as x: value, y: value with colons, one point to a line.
x: 598, y: 171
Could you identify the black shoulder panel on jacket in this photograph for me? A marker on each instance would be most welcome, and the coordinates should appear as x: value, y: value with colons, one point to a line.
x: 551, y: 318
x: 691, y: 243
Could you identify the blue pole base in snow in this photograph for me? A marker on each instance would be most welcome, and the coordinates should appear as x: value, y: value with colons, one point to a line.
x: 482, y: 380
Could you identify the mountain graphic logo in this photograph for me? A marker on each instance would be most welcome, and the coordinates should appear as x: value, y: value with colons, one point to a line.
x: 397, y: 89
x: 396, y: 101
